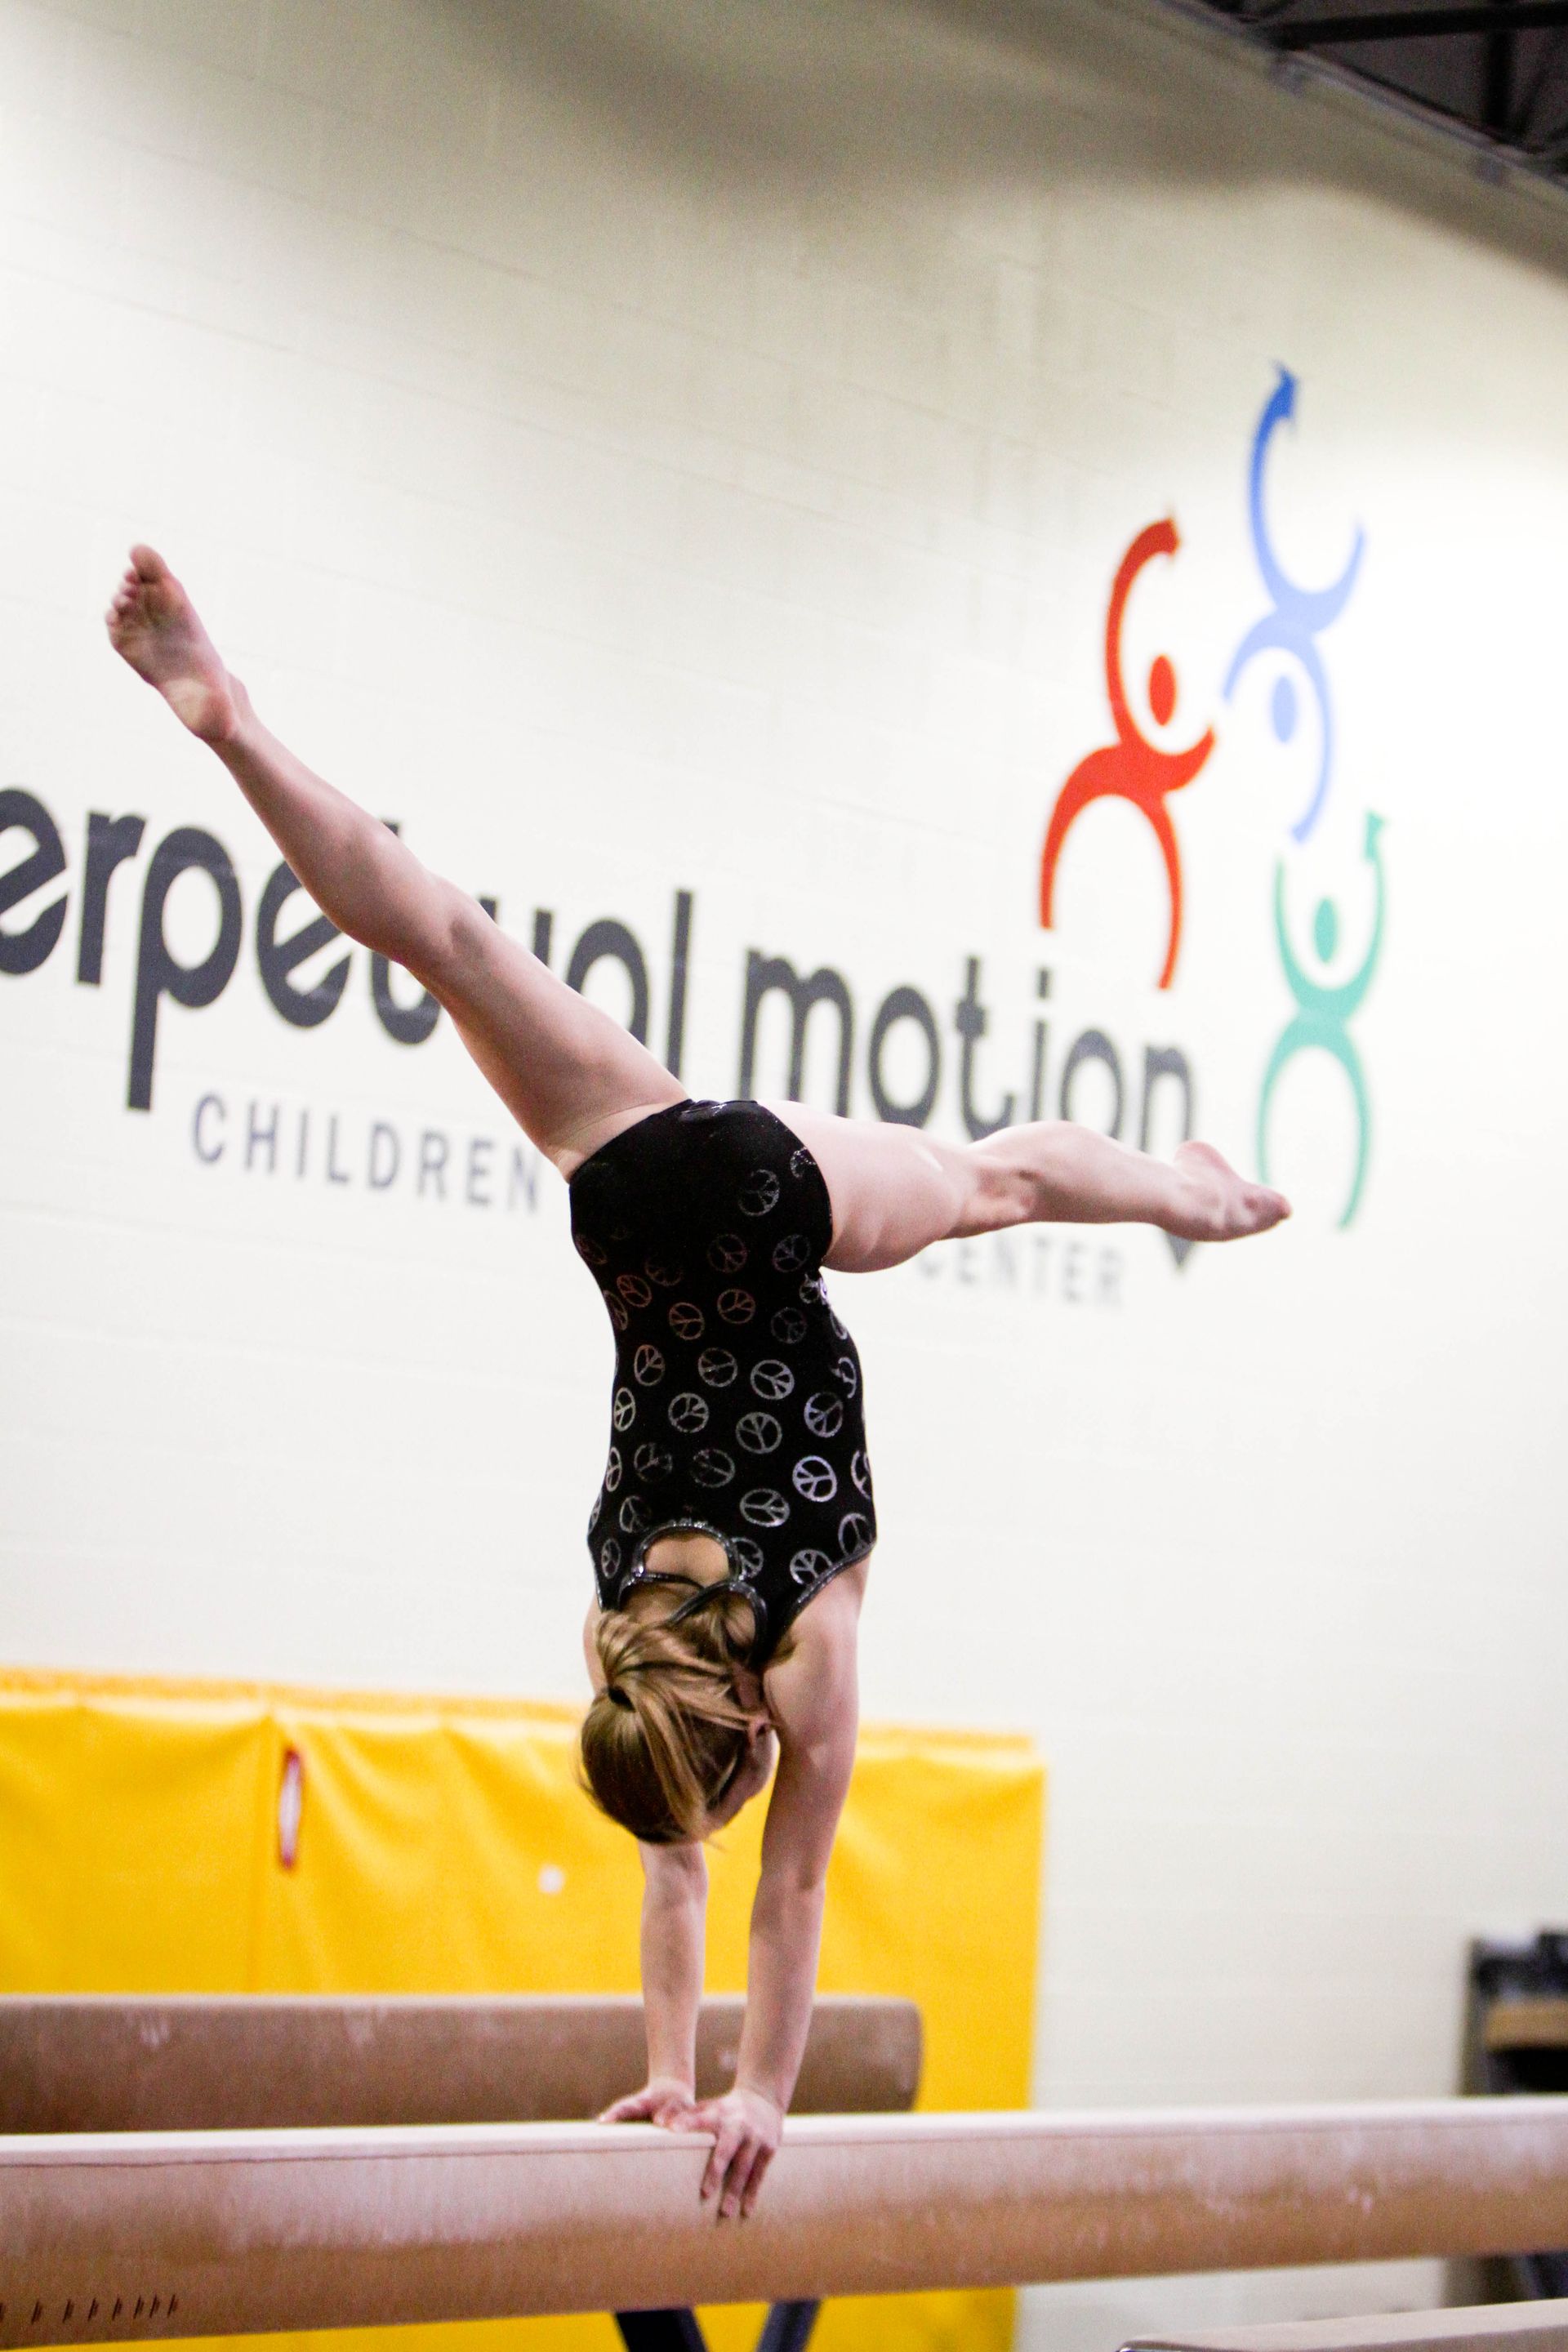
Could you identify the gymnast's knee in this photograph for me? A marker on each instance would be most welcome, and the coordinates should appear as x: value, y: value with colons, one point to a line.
x: 996, y: 1188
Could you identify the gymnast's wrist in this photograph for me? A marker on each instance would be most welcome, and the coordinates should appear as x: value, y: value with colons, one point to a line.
x: 768, y: 2093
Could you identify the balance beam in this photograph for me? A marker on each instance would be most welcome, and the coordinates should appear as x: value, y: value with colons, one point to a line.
x: 1483, y: 2327
x: 104, y: 2236
x: 93, y: 2063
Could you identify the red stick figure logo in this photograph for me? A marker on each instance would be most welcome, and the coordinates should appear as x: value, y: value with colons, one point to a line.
x: 1130, y: 769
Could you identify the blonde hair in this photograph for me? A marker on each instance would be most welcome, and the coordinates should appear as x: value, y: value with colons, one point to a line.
x: 665, y: 1737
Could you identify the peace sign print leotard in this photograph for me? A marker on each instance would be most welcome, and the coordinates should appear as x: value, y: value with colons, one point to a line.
x: 736, y: 1407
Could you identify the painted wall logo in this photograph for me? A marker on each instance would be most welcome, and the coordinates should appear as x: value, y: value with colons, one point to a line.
x: 1131, y: 769
x: 1283, y: 646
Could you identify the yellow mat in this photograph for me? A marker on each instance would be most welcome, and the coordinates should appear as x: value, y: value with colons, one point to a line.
x: 442, y: 1845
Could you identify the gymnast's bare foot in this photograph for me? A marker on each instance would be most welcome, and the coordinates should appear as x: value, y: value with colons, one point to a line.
x: 1216, y: 1204
x: 153, y: 625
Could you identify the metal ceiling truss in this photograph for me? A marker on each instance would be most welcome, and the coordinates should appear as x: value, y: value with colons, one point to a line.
x: 1494, y: 73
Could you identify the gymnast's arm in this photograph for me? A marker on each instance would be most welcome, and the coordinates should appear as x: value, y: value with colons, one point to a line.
x: 673, y: 1926
x: 674, y: 1922
x: 813, y: 1698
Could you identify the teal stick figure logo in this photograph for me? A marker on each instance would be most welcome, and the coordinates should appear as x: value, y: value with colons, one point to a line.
x: 1324, y: 1012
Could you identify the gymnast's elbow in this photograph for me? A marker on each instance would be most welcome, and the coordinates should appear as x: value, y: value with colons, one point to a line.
x: 791, y: 1883
x: 675, y: 1876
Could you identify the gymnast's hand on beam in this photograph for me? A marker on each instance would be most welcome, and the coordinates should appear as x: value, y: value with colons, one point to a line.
x: 747, y: 2126
x: 663, y: 2099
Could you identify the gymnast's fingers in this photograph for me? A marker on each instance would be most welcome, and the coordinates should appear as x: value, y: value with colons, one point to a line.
x: 764, y: 2157
x: 716, y: 2177
x: 637, y: 2107
x: 739, y: 2172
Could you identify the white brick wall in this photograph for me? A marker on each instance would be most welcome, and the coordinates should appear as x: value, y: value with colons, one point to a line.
x: 688, y: 446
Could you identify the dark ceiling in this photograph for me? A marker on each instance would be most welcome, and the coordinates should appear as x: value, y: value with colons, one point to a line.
x: 1494, y: 70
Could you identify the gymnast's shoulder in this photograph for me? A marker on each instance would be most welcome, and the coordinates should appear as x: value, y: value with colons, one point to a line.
x: 811, y: 1687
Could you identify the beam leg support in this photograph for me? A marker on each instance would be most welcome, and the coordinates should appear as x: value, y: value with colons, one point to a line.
x: 660, y: 2331
x: 788, y: 2327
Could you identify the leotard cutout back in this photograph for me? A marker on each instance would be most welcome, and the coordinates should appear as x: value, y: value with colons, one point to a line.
x: 736, y: 1407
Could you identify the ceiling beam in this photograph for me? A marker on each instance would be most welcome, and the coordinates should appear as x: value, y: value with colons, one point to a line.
x: 1417, y: 23
x: 1496, y: 71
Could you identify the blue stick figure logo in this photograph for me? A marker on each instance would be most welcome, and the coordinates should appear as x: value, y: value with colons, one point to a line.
x: 1299, y: 614
x: 1323, y: 1014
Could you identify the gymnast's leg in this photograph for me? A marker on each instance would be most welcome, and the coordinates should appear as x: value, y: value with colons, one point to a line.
x: 895, y: 1191
x: 569, y: 1076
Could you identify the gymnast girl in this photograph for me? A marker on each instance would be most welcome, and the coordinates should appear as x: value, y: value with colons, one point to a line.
x: 734, y: 1529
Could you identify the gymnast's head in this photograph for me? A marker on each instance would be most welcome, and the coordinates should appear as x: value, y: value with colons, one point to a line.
x: 679, y: 1738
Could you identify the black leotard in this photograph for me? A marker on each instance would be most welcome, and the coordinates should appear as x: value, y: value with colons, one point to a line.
x: 737, y: 1406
